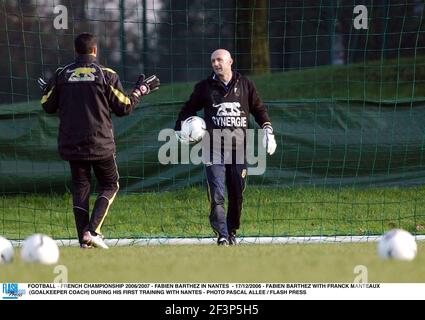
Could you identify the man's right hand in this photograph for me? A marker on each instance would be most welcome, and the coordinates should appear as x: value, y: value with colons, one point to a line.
x: 42, y: 84
x: 145, y: 86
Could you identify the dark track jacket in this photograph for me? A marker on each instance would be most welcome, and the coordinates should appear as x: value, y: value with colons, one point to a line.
x: 85, y: 93
x: 225, y: 107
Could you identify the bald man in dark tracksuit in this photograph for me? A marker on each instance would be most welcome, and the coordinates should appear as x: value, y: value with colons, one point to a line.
x: 227, y: 99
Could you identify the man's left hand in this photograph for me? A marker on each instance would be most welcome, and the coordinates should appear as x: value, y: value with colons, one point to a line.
x: 269, y: 142
x: 148, y: 85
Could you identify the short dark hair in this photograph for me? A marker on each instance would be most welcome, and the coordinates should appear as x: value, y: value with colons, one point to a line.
x: 85, y: 43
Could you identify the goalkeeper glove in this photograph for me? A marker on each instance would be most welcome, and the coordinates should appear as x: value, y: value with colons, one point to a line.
x: 42, y: 84
x: 144, y: 86
x: 269, y: 142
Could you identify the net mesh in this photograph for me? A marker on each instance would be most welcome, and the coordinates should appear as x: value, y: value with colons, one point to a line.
x: 345, y: 89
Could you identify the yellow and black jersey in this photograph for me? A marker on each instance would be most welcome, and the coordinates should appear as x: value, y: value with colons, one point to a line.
x: 85, y: 93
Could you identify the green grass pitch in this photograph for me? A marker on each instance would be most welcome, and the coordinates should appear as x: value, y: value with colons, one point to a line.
x: 209, y: 263
x: 267, y: 212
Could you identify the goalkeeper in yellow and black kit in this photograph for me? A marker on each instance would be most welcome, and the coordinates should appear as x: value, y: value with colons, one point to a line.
x: 85, y: 93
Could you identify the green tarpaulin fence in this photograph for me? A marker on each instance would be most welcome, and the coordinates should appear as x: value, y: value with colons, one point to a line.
x: 331, y: 143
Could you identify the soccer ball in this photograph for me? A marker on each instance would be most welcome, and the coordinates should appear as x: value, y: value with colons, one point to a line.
x: 6, y: 251
x: 397, y: 244
x: 40, y: 248
x: 193, y: 129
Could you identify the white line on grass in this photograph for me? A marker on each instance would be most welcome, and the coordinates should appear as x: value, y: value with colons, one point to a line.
x: 211, y: 241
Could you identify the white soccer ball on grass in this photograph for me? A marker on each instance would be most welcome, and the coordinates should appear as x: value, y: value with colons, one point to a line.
x: 40, y: 248
x: 397, y: 244
x: 193, y: 129
x: 6, y: 251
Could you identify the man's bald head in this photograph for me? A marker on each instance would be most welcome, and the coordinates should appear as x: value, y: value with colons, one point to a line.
x: 221, y: 52
x: 221, y: 62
